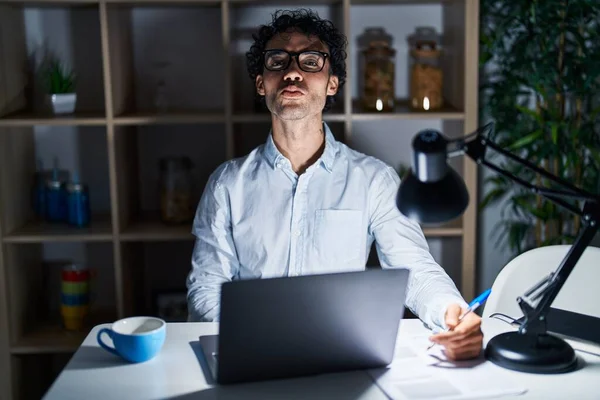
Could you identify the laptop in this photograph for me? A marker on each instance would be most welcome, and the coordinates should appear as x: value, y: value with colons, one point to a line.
x: 306, y: 325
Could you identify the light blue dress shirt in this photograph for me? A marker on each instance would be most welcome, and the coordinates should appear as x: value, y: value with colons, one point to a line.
x: 258, y: 219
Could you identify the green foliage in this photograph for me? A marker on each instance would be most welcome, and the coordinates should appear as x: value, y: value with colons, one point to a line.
x: 541, y: 88
x: 56, y: 77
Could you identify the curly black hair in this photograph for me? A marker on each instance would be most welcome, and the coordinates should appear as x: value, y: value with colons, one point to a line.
x: 308, y: 22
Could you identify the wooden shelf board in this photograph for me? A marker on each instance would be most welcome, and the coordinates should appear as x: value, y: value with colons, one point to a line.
x: 51, y: 3
x: 166, y: 3
x: 40, y: 232
x: 284, y: 2
x: 152, y: 229
x: 176, y: 117
x: 402, y: 111
x: 396, y: 2
x: 51, y: 337
x: 451, y: 229
x: 33, y: 119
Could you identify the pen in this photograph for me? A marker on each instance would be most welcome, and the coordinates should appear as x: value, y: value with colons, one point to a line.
x: 473, y: 305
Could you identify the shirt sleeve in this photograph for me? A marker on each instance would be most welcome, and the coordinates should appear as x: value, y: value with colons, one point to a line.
x: 214, y: 259
x: 400, y: 242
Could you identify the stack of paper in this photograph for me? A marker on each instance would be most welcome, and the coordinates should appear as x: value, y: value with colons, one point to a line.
x: 419, y: 374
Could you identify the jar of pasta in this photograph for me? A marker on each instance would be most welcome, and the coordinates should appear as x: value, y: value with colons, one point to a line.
x: 379, y: 72
x: 176, y: 190
x: 426, y: 76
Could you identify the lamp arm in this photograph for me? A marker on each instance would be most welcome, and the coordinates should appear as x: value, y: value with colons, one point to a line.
x: 535, y: 315
x: 475, y: 147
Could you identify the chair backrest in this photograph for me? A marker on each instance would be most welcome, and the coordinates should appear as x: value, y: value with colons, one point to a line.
x: 580, y: 293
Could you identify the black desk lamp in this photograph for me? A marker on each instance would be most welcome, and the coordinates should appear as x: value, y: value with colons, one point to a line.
x: 432, y: 192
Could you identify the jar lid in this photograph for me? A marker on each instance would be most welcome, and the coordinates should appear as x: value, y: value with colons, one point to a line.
x: 374, y: 34
x: 424, y: 37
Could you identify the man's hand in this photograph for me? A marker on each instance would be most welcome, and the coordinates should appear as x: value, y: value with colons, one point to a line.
x: 463, y: 341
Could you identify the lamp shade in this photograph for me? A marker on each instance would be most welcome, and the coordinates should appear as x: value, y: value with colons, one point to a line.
x: 432, y: 192
x: 432, y: 202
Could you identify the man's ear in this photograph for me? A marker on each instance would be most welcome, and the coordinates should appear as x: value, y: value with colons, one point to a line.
x: 332, y: 85
x: 260, y: 86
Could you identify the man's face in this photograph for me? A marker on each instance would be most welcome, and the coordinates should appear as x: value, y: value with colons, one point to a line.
x: 293, y: 93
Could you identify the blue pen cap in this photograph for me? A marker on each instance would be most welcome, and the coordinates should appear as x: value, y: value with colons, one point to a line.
x: 481, y: 298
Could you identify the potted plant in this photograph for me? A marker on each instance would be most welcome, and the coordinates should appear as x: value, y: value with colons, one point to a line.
x: 59, y: 82
x: 541, y: 87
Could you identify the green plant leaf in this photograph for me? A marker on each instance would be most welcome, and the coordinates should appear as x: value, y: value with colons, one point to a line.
x: 57, y: 78
x: 526, y: 140
x: 492, y: 197
x: 554, y: 129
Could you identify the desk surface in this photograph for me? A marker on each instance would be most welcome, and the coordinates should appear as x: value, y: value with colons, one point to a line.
x: 177, y: 373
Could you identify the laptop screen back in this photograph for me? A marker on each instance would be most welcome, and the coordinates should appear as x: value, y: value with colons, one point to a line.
x: 285, y: 327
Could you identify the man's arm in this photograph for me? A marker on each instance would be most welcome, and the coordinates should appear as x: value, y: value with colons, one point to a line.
x: 214, y: 259
x: 400, y: 243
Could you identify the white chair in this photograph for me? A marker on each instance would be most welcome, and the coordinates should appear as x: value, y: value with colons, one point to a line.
x: 580, y: 293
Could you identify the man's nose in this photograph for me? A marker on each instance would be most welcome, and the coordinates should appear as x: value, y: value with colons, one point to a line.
x: 293, y: 71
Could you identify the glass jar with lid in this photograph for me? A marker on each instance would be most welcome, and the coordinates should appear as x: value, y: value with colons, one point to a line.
x: 379, y: 71
x: 426, y: 77
x: 176, y: 190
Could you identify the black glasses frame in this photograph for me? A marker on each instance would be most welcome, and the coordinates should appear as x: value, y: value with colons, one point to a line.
x: 294, y: 55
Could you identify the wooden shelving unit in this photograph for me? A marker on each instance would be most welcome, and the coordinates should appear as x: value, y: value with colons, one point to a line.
x: 220, y: 115
x: 99, y: 230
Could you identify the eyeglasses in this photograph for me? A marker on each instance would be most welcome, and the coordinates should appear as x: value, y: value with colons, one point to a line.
x: 308, y: 61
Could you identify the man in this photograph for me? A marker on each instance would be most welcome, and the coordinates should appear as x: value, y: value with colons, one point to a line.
x: 304, y: 203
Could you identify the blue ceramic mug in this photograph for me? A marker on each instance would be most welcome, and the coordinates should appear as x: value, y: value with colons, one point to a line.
x: 136, y: 339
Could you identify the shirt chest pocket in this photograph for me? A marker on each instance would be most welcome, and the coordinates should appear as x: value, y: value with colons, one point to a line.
x: 338, y: 236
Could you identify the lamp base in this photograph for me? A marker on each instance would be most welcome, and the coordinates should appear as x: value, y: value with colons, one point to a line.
x: 538, y: 354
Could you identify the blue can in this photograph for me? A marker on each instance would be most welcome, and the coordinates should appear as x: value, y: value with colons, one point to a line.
x: 56, y: 201
x: 78, y: 204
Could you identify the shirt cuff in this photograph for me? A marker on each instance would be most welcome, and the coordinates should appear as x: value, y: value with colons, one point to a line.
x: 443, y: 306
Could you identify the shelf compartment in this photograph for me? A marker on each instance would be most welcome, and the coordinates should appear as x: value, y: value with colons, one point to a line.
x: 154, y: 269
x: 402, y: 111
x: 400, y: 20
x: 151, y: 228
x: 34, y: 277
x: 51, y: 338
x: 138, y: 153
x: 81, y: 150
x: 99, y: 230
x: 68, y: 30
x: 144, y: 62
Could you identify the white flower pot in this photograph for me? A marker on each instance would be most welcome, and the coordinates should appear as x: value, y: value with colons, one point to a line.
x: 63, y: 103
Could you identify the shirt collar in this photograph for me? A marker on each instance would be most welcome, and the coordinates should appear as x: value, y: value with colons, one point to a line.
x: 273, y: 155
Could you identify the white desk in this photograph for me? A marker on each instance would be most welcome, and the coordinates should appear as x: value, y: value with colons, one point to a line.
x: 177, y: 373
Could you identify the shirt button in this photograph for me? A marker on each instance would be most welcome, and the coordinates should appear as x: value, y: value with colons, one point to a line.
x: 298, y: 233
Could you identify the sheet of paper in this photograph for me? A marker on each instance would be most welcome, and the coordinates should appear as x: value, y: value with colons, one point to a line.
x: 419, y: 374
